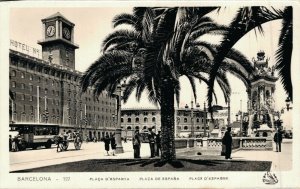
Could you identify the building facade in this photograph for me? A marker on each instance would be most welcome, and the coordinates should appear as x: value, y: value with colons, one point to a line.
x: 143, y: 119
x: 47, y: 90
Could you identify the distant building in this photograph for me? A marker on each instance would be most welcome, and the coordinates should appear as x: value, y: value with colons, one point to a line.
x: 47, y: 90
x: 143, y: 119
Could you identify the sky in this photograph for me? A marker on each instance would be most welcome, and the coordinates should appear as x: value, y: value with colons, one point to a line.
x: 92, y: 25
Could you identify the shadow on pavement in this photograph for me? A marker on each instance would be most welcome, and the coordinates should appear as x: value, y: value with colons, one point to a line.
x: 128, y: 165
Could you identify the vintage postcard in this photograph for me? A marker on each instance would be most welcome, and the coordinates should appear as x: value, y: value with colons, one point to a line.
x: 149, y: 94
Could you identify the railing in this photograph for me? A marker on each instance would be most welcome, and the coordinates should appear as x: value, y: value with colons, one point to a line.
x: 244, y: 143
x: 256, y: 143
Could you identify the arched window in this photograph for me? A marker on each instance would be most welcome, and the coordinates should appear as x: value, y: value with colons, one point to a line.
x: 198, y: 120
x: 145, y: 127
x: 153, y: 119
x: 122, y: 120
x: 129, y: 128
x: 129, y: 120
x: 137, y: 119
x: 13, y: 84
x: 185, y: 120
x: 198, y: 127
x: 13, y: 73
x: 137, y: 127
x: 145, y: 120
x: 22, y: 86
x: 185, y: 128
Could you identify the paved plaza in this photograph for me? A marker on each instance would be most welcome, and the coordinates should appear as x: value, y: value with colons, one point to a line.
x: 95, y: 151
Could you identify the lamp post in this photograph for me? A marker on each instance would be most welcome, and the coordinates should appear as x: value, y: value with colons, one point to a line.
x: 46, y: 114
x: 204, y: 121
x: 119, y: 147
x: 241, y: 129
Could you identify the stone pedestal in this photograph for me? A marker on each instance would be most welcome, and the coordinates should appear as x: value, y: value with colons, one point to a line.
x: 119, y: 148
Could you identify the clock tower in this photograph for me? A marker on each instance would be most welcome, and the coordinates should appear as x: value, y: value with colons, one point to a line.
x: 58, y: 45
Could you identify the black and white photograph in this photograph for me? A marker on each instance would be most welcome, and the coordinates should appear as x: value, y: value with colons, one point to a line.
x: 149, y: 94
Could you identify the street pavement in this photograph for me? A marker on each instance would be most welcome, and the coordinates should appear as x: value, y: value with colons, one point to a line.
x: 44, y: 157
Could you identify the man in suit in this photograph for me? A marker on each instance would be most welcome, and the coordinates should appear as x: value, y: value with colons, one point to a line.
x: 136, y: 142
x: 278, y: 140
x: 227, y: 141
x: 151, y: 138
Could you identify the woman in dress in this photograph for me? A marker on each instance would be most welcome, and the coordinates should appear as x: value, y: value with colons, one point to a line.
x: 113, y: 144
x: 106, y: 143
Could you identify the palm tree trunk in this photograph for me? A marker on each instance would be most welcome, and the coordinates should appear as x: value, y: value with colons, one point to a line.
x: 167, y: 121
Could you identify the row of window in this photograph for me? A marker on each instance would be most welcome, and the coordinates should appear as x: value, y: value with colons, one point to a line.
x: 137, y: 120
x: 187, y: 128
x: 39, y: 79
x: 55, y: 93
x: 178, y: 127
x: 153, y: 120
x: 138, y: 113
x: 48, y: 81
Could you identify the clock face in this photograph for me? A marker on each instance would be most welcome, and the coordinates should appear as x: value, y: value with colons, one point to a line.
x: 50, y: 31
x: 66, y: 33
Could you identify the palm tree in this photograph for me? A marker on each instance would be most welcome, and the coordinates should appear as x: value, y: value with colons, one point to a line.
x: 249, y: 18
x: 161, y: 48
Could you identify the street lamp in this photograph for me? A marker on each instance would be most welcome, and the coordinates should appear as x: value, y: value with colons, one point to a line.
x: 288, y: 103
x: 118, y: 133
x: 204, y: 122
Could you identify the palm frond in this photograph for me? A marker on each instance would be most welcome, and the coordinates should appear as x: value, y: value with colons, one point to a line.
x: 284, y: 52
x: 124, y: 19
x: 120, y: 37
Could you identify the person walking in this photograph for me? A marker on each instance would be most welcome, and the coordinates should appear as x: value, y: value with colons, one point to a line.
x: 106, y: 143
x: 10, y: 143
x: 278, y: 140
x: 15, y: 144
x: 113, y: 144
x: 136, y: 142
x: 151, y: 138
x: 158, y: 143
x: 227, y: 141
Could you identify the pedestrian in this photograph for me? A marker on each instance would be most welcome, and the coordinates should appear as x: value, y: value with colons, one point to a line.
x: 106, y: 143
x: 10, y: 143
x: 136, y: 142
x: 15, y: 144
x: 151, y: 138
x: 113, y: 143
x: 158, y: 143
x: 227, y: 141
x: 278, y: 140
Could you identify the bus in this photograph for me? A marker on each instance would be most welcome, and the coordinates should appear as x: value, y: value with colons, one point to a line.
x: 33, y: 135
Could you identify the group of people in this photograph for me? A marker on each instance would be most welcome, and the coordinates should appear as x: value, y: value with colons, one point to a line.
x: 154, y: 143
x: 14, y: 143
x: 110, y: 141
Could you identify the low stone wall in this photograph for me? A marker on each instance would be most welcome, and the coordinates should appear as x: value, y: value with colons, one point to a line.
x: 256, y: 143
x: 244, y: 143
x: 181, y: 143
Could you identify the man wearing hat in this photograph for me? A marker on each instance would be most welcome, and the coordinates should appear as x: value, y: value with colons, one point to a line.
x: 227, y: 141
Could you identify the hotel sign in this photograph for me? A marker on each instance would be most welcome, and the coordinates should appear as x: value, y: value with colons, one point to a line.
x: 24, y: 48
